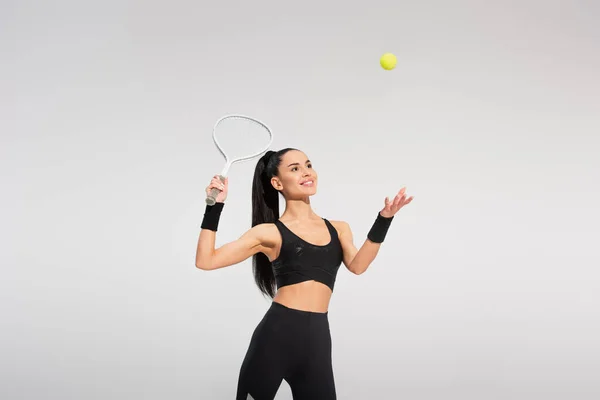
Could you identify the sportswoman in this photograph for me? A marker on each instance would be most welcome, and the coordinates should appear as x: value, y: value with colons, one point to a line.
x: 296, y: 257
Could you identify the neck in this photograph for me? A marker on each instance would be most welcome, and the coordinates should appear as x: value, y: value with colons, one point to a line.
x: 298, y: 210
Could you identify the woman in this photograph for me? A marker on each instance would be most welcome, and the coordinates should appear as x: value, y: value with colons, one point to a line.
x: 295, y: 261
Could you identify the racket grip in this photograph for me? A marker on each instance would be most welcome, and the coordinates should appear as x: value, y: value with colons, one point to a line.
x: 211, y: 199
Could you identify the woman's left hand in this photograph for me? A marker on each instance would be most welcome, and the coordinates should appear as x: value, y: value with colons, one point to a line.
x: 392, y: 207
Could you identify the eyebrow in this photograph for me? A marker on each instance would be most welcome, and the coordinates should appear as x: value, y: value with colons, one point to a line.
x: 307, y: 161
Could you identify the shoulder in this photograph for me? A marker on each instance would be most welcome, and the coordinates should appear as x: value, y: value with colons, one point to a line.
x: 267, y: 234
x: 342, y: 227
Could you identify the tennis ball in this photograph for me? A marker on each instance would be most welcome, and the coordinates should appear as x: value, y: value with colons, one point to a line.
x: 388, y: 61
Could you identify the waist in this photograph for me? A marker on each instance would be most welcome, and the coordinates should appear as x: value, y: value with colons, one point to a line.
x: 278, y: 307
x: 310, y: 296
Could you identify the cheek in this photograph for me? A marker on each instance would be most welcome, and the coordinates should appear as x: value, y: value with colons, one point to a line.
x: 289, y: 181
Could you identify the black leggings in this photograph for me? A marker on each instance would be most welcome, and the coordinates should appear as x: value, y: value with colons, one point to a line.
x: 293, y: 345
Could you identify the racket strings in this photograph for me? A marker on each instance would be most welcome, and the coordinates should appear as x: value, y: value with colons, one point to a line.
x: 241, y: 138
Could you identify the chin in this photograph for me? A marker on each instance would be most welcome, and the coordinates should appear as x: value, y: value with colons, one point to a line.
x: 308, y: 192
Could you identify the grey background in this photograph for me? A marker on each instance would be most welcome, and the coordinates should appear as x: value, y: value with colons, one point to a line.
x: 487, y: 285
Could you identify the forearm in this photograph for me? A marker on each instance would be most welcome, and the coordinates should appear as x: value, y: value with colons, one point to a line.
x: 205, y: 249
x: 364, y: 257
x: 206, y: 241
x: 368, y: 251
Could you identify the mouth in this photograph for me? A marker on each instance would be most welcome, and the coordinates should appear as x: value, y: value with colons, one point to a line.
x: 308, y: 183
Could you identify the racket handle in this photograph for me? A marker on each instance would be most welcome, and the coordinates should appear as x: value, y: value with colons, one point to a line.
x: 211, y: 199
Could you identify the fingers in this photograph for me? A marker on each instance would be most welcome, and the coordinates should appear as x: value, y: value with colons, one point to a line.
x: 400, y: 200
x: 220, y: 178
x: 216, y: 183
x: 400, y: 197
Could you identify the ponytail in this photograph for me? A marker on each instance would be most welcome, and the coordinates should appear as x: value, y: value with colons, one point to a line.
x: 265, y: 209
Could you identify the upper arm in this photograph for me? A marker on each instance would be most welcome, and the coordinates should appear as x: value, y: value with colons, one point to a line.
x: 347, y: 241
x: 253, y: 241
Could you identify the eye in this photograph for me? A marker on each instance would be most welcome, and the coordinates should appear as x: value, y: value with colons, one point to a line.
x: 294, y: 169
x: 309, y: 165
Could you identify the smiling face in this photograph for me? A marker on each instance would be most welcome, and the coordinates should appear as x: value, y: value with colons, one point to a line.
x: 296, y: 179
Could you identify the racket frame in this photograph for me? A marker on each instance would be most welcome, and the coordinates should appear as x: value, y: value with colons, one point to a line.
x: 211, y: 198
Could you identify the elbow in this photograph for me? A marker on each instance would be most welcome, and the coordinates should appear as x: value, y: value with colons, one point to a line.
x: 204, y: 261
x: 358, y: 269
x: 355, y: 270
x: 203, y: 266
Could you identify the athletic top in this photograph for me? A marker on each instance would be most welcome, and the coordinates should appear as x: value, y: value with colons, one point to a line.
x: 300, y: 261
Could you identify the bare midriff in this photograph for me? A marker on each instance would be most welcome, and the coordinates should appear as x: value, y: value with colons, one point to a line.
x: 310, y: 296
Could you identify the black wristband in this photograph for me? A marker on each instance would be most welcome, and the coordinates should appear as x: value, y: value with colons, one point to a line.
x: 379, y: 229
x: 211, y: 216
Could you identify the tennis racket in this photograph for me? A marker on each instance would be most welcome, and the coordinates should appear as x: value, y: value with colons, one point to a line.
x: 250, y: 136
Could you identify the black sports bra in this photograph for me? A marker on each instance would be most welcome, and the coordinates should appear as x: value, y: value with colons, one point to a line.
x: 300, y: 261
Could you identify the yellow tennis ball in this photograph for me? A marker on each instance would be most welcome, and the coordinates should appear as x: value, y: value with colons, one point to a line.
x: 388, y: 61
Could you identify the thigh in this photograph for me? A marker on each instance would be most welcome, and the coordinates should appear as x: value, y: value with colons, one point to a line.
x: 264, y: 365
x: 314, y: 383
x: 258, y: 379
x: 315, y: 379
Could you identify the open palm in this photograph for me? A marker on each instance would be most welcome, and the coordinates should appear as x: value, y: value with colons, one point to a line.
x: 393, y: 206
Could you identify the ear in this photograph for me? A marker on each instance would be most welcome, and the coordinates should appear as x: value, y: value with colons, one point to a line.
x: 276, y: 183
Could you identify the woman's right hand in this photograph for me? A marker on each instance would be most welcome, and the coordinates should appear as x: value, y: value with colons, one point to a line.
x: 218, y: 184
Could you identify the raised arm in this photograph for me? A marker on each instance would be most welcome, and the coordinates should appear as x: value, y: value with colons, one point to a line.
x: 251, y: 242
x: 358, y: 260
